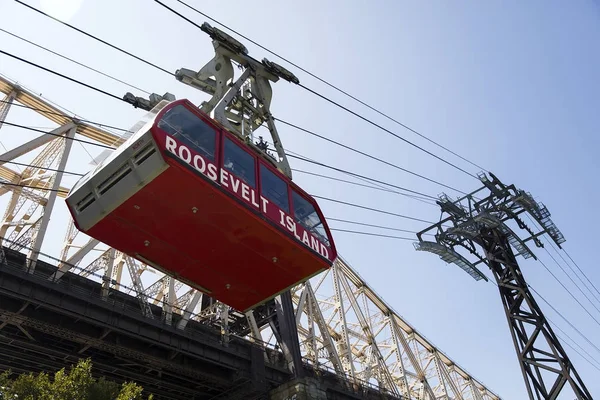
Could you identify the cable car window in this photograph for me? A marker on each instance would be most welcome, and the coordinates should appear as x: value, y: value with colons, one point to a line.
x: 306, y: 215
x: 189, y: 129
x: 239, y: 162
x: 274, y: 188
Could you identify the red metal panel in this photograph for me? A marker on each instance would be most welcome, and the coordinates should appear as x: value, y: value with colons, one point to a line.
x: 221, y: 244
x: 203, y: 225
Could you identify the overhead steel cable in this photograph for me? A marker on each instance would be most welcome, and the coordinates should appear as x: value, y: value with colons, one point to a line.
x: 574, y: 272
x: 386, y: 130
x: 74, y: 61
x: 371, y: 234
x: 565, y: 319
x: 372, y: 181
x: 586, y: 277
x: 112, y: 148
x: 62, y: 75
x: 571, y: 279
x: 96, y: 38
x: 367, y: 155
x: 373, y: 225
x: 29, y: 186
x: 285, y: 122
x: 360, y: 176
x: 569, y: 292
x: 299, y: 157
x: 380, y: 187
x: 74, y: 116
x: 594, y: 364
x: 172, y: 74
x: 558, y: 327
x: 550, y: 242
x: 342, y: 107
x: 323, y: 81
x: 371, y: 209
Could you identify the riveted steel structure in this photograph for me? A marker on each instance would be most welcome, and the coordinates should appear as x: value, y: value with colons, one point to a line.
x: 344, y: 328
x: 481, y: 224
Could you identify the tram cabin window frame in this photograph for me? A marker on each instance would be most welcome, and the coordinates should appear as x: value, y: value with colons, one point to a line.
x: 229, y: 143
x: 318, y: 228
x: 285, y: 207
x: 201, y: 144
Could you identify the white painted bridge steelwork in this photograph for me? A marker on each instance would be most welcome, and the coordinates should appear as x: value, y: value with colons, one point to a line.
x: 342, y: 323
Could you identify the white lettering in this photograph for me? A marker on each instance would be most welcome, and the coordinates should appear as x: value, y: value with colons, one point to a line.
x: 224, y: 176
x: 292, y: 226
x: 202, y: 166
x: 188, y: 157
x: 324, y: 251
x: 170, y: 144
x: 282, y: 221
x: 264, y: 203
x: 235, y: 183
x: 305, y: 239
x: 245, y: 192
x: 253, y: 198
x: 314, y: 243
x: 290, y: 223
x: 212, y: 172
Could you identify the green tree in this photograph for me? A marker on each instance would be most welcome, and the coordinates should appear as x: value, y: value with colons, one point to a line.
x: 76, y: 384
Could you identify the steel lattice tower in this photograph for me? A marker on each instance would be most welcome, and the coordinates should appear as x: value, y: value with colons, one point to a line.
x: 472, y: 223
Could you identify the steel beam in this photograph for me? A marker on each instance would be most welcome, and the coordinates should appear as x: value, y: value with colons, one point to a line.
x: 39, y: 237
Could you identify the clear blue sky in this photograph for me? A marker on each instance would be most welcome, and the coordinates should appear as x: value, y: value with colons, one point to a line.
x: 510, y: 85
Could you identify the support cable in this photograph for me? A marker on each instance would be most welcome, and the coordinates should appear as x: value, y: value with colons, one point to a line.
x: 302, y: 158
x: 373, y: 226
x: 574, y: 272
x: 565, y: 319
x: 371, y: 234
x: 586, y: 277
x: 305, y: 130
x: 371, y: 209
x: 360, y: 176
x: 571, y: 279
x: 568, y: 291
x: 333, y: 219
x: 74, y: 116
x: 367, y: 155
x: 325, y: 82
x: 343, y: 107
x: 561, y: 330
x: 61, y: 75
x: 570, y: 267
x: 74, y: 61
x: 380, y: 187
x: 96, y: 38
x: 306, y: 88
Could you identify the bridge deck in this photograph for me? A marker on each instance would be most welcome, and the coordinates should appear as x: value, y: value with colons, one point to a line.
x: 45, y: 326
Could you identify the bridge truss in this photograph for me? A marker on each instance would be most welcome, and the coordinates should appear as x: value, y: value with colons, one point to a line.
x: 343, y: 325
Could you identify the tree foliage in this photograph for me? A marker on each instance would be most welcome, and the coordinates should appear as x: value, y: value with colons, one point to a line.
x: 75, y: 384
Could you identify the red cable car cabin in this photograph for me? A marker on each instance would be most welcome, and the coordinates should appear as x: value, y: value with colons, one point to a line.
x: 192, y: 200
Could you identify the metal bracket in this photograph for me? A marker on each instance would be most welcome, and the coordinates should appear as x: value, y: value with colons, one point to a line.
x: 241, y: 112
x: 147, y: 104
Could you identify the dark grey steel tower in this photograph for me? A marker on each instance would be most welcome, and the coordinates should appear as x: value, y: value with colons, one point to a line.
x: 483, y: 229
